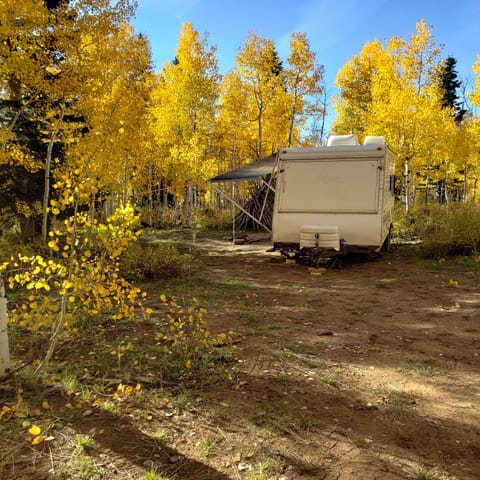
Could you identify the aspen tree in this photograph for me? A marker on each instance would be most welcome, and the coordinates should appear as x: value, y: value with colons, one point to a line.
x: 474, y: 130
x: 87, y: 92
x: 4, y: 347
x: 111, y: 151
x: 183, y: 112
x: 304, y: 86
x: 48, y: 71
x: 261, y: 70
x: 393, y: 90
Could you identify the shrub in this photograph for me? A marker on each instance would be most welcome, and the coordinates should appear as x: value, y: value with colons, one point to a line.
x: 445, y: 229
x: 152, y: 262
x: 215, y: 219
x: 77, y: 279
x: 8, y: 222
x: 186, y: 341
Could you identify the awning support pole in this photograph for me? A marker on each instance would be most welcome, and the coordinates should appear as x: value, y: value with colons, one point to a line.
x: 269, y: 186
x: 241, y: 208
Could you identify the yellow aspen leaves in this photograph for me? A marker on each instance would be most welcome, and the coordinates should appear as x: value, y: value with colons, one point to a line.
x: 392, y: 89
x: 6, y: 411
x: 37, y: 440
x: 34, y: 436
x: 124, y: 391
x: 89, y: 284
x: 304, y: 85
x: 53, y: 244
x: 475, y: 95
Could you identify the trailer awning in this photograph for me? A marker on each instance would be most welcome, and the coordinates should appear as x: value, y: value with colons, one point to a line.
x: 248, y: 172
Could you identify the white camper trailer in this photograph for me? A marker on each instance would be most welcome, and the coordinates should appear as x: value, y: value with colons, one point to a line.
x: 330, y: 200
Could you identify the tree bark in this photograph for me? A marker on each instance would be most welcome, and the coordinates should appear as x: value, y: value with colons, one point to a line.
x: 4, y: 347
x: 48, y: 165
x: 59, y: 323
x: 407, y: 185
x: 447, y: 199
x: 150, y: 195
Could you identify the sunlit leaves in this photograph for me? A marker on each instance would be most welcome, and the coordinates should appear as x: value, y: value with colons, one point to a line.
x: 266, y: 103
x: 88, y: 283
x: 304, y: 87
x: 475, y: 96
x: 34, y: 430
x: 80, y: 75
x: 183, y: 110
x: 393, y: 90
x: 124, y: 391
x: 187, y: 339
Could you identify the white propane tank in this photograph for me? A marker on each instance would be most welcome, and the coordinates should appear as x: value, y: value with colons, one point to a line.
x: 323, y: 236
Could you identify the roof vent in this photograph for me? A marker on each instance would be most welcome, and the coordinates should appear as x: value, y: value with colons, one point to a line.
x: 334, y: 140
x: 374, y: 140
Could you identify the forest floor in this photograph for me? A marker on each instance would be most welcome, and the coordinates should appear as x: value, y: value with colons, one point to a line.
x: 370, y: 371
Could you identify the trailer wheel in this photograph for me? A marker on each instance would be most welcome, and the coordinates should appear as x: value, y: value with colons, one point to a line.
x: 388, y: 240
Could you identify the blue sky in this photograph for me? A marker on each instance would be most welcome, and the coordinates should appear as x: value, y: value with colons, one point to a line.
x: 336, y: 29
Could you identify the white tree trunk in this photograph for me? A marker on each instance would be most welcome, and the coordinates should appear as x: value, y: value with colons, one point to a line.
x: 4, y: 349
x: 189, y: 205
x: 407, y: 185
x: 46, y: 180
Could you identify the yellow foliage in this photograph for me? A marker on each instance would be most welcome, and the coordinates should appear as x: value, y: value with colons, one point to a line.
x: 183, y: 109
x: 393, y: 90
x: 188, y: 341
x: 34, y: 430
x: 37, y: 440
x: 77, y: 285
x: 475, y: 96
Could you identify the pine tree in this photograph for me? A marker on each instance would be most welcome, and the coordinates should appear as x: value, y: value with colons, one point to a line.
x: 450, y: 84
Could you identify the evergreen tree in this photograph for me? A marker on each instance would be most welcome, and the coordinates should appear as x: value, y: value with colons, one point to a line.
x: 277, y: 64
x: 449, y: 83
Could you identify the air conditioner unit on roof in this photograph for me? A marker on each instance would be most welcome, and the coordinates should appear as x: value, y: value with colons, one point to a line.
x: 335, y: 140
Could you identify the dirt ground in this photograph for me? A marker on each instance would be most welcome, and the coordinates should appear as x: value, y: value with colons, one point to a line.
x: 366, y: 372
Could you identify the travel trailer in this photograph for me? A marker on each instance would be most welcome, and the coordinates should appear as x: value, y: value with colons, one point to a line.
x: 329, y: 201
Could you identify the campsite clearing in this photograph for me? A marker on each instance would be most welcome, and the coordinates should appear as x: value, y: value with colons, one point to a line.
x: 361, y: 373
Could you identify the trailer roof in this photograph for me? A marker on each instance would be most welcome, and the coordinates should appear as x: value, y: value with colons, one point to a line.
x: 266, y: 165
x: 251, y: 171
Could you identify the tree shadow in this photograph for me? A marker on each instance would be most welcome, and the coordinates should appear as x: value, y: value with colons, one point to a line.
x: 309, y: 423
x: 118, y: 436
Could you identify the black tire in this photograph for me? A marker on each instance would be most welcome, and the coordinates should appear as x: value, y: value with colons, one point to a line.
x: 388, y: 240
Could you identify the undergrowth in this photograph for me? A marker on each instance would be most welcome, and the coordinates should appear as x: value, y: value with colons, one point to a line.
x: 147, y: 262
x: 444, y: 229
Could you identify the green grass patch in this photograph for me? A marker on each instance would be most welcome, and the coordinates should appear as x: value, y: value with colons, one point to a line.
x: 424, y: 368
